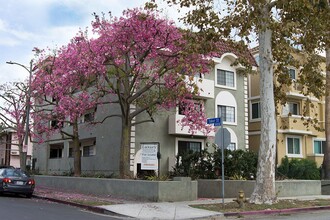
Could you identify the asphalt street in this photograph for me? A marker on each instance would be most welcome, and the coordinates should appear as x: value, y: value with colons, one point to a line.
x: 14, y: 207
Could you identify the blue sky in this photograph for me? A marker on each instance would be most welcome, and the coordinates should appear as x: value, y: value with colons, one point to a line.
x: 25, y: 24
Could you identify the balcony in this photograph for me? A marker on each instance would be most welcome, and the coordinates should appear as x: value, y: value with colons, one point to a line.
x: 205, y: 87
x: 294, y: 124
x: 175, y: 128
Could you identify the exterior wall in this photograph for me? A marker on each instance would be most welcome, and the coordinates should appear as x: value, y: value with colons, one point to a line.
x: 107, y: 144
x: 238, y: 94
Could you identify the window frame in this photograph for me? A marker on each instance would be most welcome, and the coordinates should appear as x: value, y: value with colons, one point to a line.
x: 202, y: 141
x: 290, y: 70
x: 258, y: 113
x: 323, y: 141
x: 58, y: 148
x: 218, y: 71
x: 297, y: 155
x: 224, y: 119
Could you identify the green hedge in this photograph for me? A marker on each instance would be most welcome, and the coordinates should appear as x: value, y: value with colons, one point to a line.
x: 238, y: 164
x: 298, y: 169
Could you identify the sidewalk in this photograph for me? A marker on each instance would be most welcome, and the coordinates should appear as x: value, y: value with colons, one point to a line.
x: 129, y: 209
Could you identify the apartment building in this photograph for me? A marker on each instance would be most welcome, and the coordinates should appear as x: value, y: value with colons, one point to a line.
x: 9, y: 152
x: 296, y: 138
x: 224, y: 92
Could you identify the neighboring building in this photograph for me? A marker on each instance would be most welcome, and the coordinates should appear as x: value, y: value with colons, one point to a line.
x: 9, y: 152
x: 294, y: 138
x: 224, y: 93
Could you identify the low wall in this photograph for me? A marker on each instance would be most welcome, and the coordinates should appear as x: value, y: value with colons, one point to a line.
x: 284, y: 188
x: 180, y: 189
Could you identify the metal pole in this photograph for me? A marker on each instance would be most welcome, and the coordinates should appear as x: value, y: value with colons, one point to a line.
x: 27, y: 120
x: 223, y: 165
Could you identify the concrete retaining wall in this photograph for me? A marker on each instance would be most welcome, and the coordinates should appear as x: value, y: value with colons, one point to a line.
x: 285, y: 188
x: 180, y: 189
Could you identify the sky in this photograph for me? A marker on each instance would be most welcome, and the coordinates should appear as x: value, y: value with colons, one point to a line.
x: 25, y: 24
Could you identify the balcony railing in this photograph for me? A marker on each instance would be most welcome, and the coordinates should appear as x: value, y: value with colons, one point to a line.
x: 174, y: 127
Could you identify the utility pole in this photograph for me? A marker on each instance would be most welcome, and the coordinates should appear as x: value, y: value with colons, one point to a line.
x: 23, y: 150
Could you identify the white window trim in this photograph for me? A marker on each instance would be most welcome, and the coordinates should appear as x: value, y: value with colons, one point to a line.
x: 317, y: 139
x: 226, y: 122
x: 295, y: 73
x: 286, y: 110
x: 187, y: 139
x: 300, y: 146
x: 222, y: 86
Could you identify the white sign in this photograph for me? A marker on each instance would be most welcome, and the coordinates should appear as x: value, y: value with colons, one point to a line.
x: 149, y: 160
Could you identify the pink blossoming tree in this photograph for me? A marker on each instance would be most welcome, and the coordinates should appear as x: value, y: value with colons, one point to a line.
x: 62, y: 95
x: 13, y: 98
x: 140, y: 62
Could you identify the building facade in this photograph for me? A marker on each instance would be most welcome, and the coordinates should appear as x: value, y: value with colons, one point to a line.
x: 224, y: 92
x: 296, y: 137
x: 9, y: 152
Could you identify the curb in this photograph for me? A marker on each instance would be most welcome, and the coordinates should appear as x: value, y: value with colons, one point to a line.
x: 277, y: 211
x: 94, y: 209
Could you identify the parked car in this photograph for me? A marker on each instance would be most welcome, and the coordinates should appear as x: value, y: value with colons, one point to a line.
x: 16, y: 181
x: 6, y: 166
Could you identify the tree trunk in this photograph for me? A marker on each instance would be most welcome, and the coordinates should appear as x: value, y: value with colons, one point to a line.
x: 124, y: 163
x: 326, y: 159
x: 22, y: 157
x: 264, y: 190
x: 76, y: 151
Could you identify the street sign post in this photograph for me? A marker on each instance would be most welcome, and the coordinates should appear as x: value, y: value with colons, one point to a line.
x: 218, y: 122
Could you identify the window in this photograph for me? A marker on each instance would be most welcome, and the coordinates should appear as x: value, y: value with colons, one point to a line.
x: 231, y: 146
x: 56, y: 150
x: 88, y: 151
x: 225, y: 78
x: 291, y: 108
x: 293, y: 146
x: 227, y: 113
x: 255, y: 110
x: 292, y: 73
x: 319, y: 145
x: 89, y: 116
x: 189, y: 146
x: 87, y: 148
x: 183, y: 107
x: 55, y: 124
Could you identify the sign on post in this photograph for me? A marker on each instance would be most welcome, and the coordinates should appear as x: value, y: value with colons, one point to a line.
x: 214, y: 121
x: 222, y: 137
x: 149, y: 160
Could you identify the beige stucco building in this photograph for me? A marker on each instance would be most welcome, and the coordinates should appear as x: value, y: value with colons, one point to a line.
x: 296, y: 137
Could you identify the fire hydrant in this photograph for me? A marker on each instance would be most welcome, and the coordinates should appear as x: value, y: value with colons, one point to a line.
x: 241, y: 199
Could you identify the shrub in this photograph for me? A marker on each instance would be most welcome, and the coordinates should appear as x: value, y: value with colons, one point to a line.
x: 239, y: 164
x: 298, y: 169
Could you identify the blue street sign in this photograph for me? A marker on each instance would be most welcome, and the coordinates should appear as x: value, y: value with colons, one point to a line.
x: 215, y: 121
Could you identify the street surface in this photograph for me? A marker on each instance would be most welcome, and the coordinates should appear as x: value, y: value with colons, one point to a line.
x: 315, y: 215
x: 14, y: 207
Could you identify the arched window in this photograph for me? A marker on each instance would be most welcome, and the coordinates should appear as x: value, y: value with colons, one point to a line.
x: 226, y: 107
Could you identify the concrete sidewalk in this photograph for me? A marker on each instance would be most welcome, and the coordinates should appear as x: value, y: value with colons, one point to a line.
x: 165, y: 210
x: 133, y: 209
x: 182, y: 210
